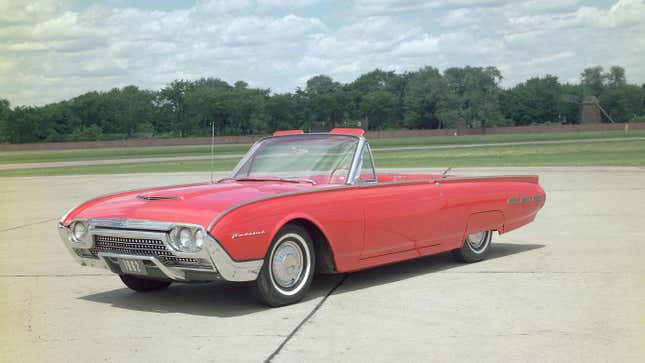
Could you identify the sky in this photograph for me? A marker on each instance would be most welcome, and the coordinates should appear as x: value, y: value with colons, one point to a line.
x: 54, y: 50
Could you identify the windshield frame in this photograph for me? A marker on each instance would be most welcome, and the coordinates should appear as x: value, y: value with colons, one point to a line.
x: 351, y: 175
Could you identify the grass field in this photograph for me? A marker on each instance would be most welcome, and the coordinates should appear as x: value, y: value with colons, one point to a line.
x: 618, y: 151
x: 12, y: 157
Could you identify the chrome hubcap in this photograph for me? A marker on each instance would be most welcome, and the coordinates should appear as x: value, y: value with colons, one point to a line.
x: 287, y: 264
x: 477, y: 240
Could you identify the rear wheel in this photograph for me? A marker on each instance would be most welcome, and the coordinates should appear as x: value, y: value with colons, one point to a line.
x: 141, y: 284
x: 288, y: 268
x: 475, y: 247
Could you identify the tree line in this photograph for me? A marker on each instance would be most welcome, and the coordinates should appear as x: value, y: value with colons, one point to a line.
x: 422, y: 99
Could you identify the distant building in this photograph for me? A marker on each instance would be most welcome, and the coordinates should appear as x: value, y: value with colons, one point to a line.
x: 590, y: 112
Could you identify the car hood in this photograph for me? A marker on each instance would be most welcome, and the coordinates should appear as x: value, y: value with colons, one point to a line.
x: 195, y: 204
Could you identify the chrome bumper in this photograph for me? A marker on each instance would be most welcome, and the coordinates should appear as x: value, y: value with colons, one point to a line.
x: 220, y: 264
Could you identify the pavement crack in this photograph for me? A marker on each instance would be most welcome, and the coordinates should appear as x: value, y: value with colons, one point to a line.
x: 309, y: 316
x: 28, y: 225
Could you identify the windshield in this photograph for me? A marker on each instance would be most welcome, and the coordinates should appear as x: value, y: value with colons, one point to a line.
x: 314, y: 158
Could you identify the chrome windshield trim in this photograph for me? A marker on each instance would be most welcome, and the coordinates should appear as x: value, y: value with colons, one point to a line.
x: 251, y: 150
x: 356, y: 162
x: 359, y: 166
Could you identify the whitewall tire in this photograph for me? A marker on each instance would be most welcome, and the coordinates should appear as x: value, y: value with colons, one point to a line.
x: 288, y: 267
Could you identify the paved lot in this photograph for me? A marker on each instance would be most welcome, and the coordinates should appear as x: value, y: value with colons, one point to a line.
x: 569, y: 287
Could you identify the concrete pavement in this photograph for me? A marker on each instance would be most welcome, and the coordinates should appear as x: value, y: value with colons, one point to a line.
x: 569, y: 287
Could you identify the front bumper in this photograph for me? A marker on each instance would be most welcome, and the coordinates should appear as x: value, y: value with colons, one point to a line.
x: 214, y: 263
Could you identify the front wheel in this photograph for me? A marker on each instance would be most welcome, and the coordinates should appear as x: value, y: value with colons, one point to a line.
x: 142, y: 284
x: 288, y: 268
x: 475, y: 247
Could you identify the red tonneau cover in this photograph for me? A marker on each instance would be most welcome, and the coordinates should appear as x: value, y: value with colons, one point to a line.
x: 347, y: 131
x: 288, y: 132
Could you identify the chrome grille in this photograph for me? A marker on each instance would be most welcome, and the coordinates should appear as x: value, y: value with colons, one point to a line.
x: 138, y: 247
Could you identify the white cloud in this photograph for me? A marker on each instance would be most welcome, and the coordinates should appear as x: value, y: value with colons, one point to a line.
x: 286, y: 4
x: 535, y: 38
x: 101, y: 48
x: 392, y: 6
x: 50, y: 52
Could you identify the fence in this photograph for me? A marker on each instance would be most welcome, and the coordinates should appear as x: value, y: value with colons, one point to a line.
x: 370, y: 135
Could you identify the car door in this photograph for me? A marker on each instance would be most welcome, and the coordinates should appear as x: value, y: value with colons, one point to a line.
x: 398, y: 215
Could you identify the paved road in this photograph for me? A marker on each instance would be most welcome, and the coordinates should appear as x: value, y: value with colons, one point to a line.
x: 58, y: 164
x: 569, y: 287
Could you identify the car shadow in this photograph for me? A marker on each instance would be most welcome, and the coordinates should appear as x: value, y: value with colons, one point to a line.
x: 423, y: 265
x: 224, y: 299
x: 216, y: 299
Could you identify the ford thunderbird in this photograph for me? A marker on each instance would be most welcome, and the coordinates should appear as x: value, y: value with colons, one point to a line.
x: 297, y: 204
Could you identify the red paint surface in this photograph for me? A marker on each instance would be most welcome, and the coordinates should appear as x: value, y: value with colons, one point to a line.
x: 402, y: 216
x: 347, y: 131
x: 288, y: 132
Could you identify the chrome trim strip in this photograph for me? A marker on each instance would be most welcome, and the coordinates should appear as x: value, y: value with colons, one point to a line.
x: 212, y: 250
x: 273, y: 196
x: 437, y: 180
x: 470, y: 178
x: 124, y: 223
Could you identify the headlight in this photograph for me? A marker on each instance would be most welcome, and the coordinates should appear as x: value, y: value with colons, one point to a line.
x: 79, y: 230
x: 187, y: 239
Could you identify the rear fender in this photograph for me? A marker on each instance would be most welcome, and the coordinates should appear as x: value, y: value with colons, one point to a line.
x: 485, y: 221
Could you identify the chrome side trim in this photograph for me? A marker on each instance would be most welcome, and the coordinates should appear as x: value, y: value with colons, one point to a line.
x: 436, y: 180
x: 212, y: 250
x: 273, y: 196
x: 475, y: 178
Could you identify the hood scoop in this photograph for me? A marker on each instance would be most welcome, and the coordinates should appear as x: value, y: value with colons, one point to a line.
x: 158, y: 197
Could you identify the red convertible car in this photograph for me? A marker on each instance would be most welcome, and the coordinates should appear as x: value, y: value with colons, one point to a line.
x: 296, y: 204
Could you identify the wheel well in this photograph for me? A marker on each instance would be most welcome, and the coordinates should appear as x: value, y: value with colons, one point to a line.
x: 324, y: 255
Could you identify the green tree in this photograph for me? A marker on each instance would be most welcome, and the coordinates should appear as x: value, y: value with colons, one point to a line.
x: 616, y: 76
x: 285, y: 112
x: 592, y: 80
x: 624, y: 102
x: 473, y: 97
x: 23, y: 126
x: 327, y: 101
x: 377, y: 96
x: 569, y: 103
x: 533, y: 101
x: 5, y: 115
x: 172, y: 100
x: 425, y: 99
